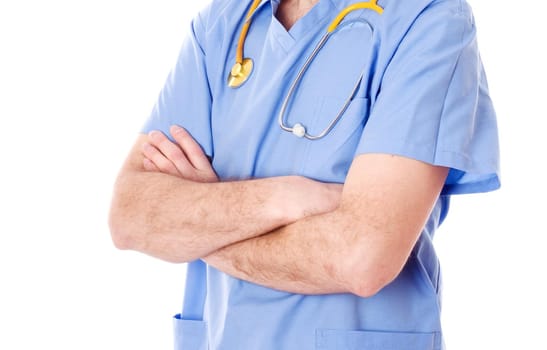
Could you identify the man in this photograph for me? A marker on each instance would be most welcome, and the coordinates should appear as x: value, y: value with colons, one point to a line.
x: 311, y: 244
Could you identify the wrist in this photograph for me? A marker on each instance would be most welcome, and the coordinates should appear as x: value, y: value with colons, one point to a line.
x: 288, y: 197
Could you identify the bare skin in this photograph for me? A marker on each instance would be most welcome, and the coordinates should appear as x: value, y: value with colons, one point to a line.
x: 290, y: 11
x: 359, y: 247
x: 183, y: 218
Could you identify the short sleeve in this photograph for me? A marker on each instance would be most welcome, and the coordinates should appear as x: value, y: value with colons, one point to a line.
x: 433, y: 104
x: 185, y: 99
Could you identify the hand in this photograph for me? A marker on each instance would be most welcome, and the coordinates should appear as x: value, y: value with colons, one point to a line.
x: 184, y: 159
x: 309, y: 197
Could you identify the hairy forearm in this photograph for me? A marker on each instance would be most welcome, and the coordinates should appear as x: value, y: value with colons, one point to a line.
x: 310, y: 256
x: 180, y: 220
x: 354, y: 243
x: 359, y: 248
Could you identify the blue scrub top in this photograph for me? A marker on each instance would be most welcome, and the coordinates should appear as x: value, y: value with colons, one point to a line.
x: 423, y: 95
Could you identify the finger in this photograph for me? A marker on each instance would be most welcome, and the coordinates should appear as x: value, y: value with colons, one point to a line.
x: 171, y: 151
x: 191, y: 148
x: 159, y: 160
x: 149, y: 165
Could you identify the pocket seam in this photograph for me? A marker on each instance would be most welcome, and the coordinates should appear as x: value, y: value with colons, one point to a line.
x: 331, y: 339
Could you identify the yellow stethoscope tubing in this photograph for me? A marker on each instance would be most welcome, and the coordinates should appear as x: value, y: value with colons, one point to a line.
x: 244, y: 31
x: 371, y: 5
x: 243, y: 67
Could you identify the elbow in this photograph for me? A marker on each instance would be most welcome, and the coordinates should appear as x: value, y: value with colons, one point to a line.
x: 120, y: 239
x: 121, y: 224
x: 120, y: 233
x: 125, y: 231
x: 365, y: 276
x: 130, y: 232
x: 367, y: 285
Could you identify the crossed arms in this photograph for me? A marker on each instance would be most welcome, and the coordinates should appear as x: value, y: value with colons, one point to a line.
x: 289, y: 233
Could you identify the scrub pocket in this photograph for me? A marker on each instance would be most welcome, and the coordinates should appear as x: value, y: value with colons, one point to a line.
x: 336, y: 150
x: 353, y: 119
x: 331, y: 339
x: 190, y: 334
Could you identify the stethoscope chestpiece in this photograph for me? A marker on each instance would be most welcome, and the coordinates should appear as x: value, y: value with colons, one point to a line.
x: 243, y: 67
x: 240, y: 73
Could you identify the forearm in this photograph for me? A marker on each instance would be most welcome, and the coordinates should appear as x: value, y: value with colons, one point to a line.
x: 180, y: 220
x: 306, y: 257
x: 175, y: 209
x: 359, y: 248
x: 357, y: 244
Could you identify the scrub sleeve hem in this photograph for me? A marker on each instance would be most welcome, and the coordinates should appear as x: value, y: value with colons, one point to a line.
x: 477, y: 178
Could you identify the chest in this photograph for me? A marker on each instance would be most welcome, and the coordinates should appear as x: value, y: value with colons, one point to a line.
x: 331, y: 92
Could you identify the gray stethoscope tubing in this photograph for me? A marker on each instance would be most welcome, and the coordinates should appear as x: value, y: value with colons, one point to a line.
x: 299, y: 129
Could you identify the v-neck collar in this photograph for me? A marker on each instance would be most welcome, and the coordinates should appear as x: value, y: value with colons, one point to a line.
x: 324, y: 9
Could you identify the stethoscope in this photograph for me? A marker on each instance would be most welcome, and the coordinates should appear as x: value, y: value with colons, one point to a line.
x: 243, y: 67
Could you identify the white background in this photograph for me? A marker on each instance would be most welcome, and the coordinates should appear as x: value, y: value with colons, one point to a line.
x: 77, y: 80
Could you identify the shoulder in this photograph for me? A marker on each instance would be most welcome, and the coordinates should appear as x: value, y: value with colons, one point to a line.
x: 423, y: 24
x: 222, y: 13
x: 402, y: 15
x: 416, y: 7
x: 216, y: 22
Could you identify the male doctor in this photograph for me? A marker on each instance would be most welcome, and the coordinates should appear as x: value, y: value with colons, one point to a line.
x: 311, y: 244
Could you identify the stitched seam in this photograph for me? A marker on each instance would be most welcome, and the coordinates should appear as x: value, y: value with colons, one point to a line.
x: 446, y: 93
